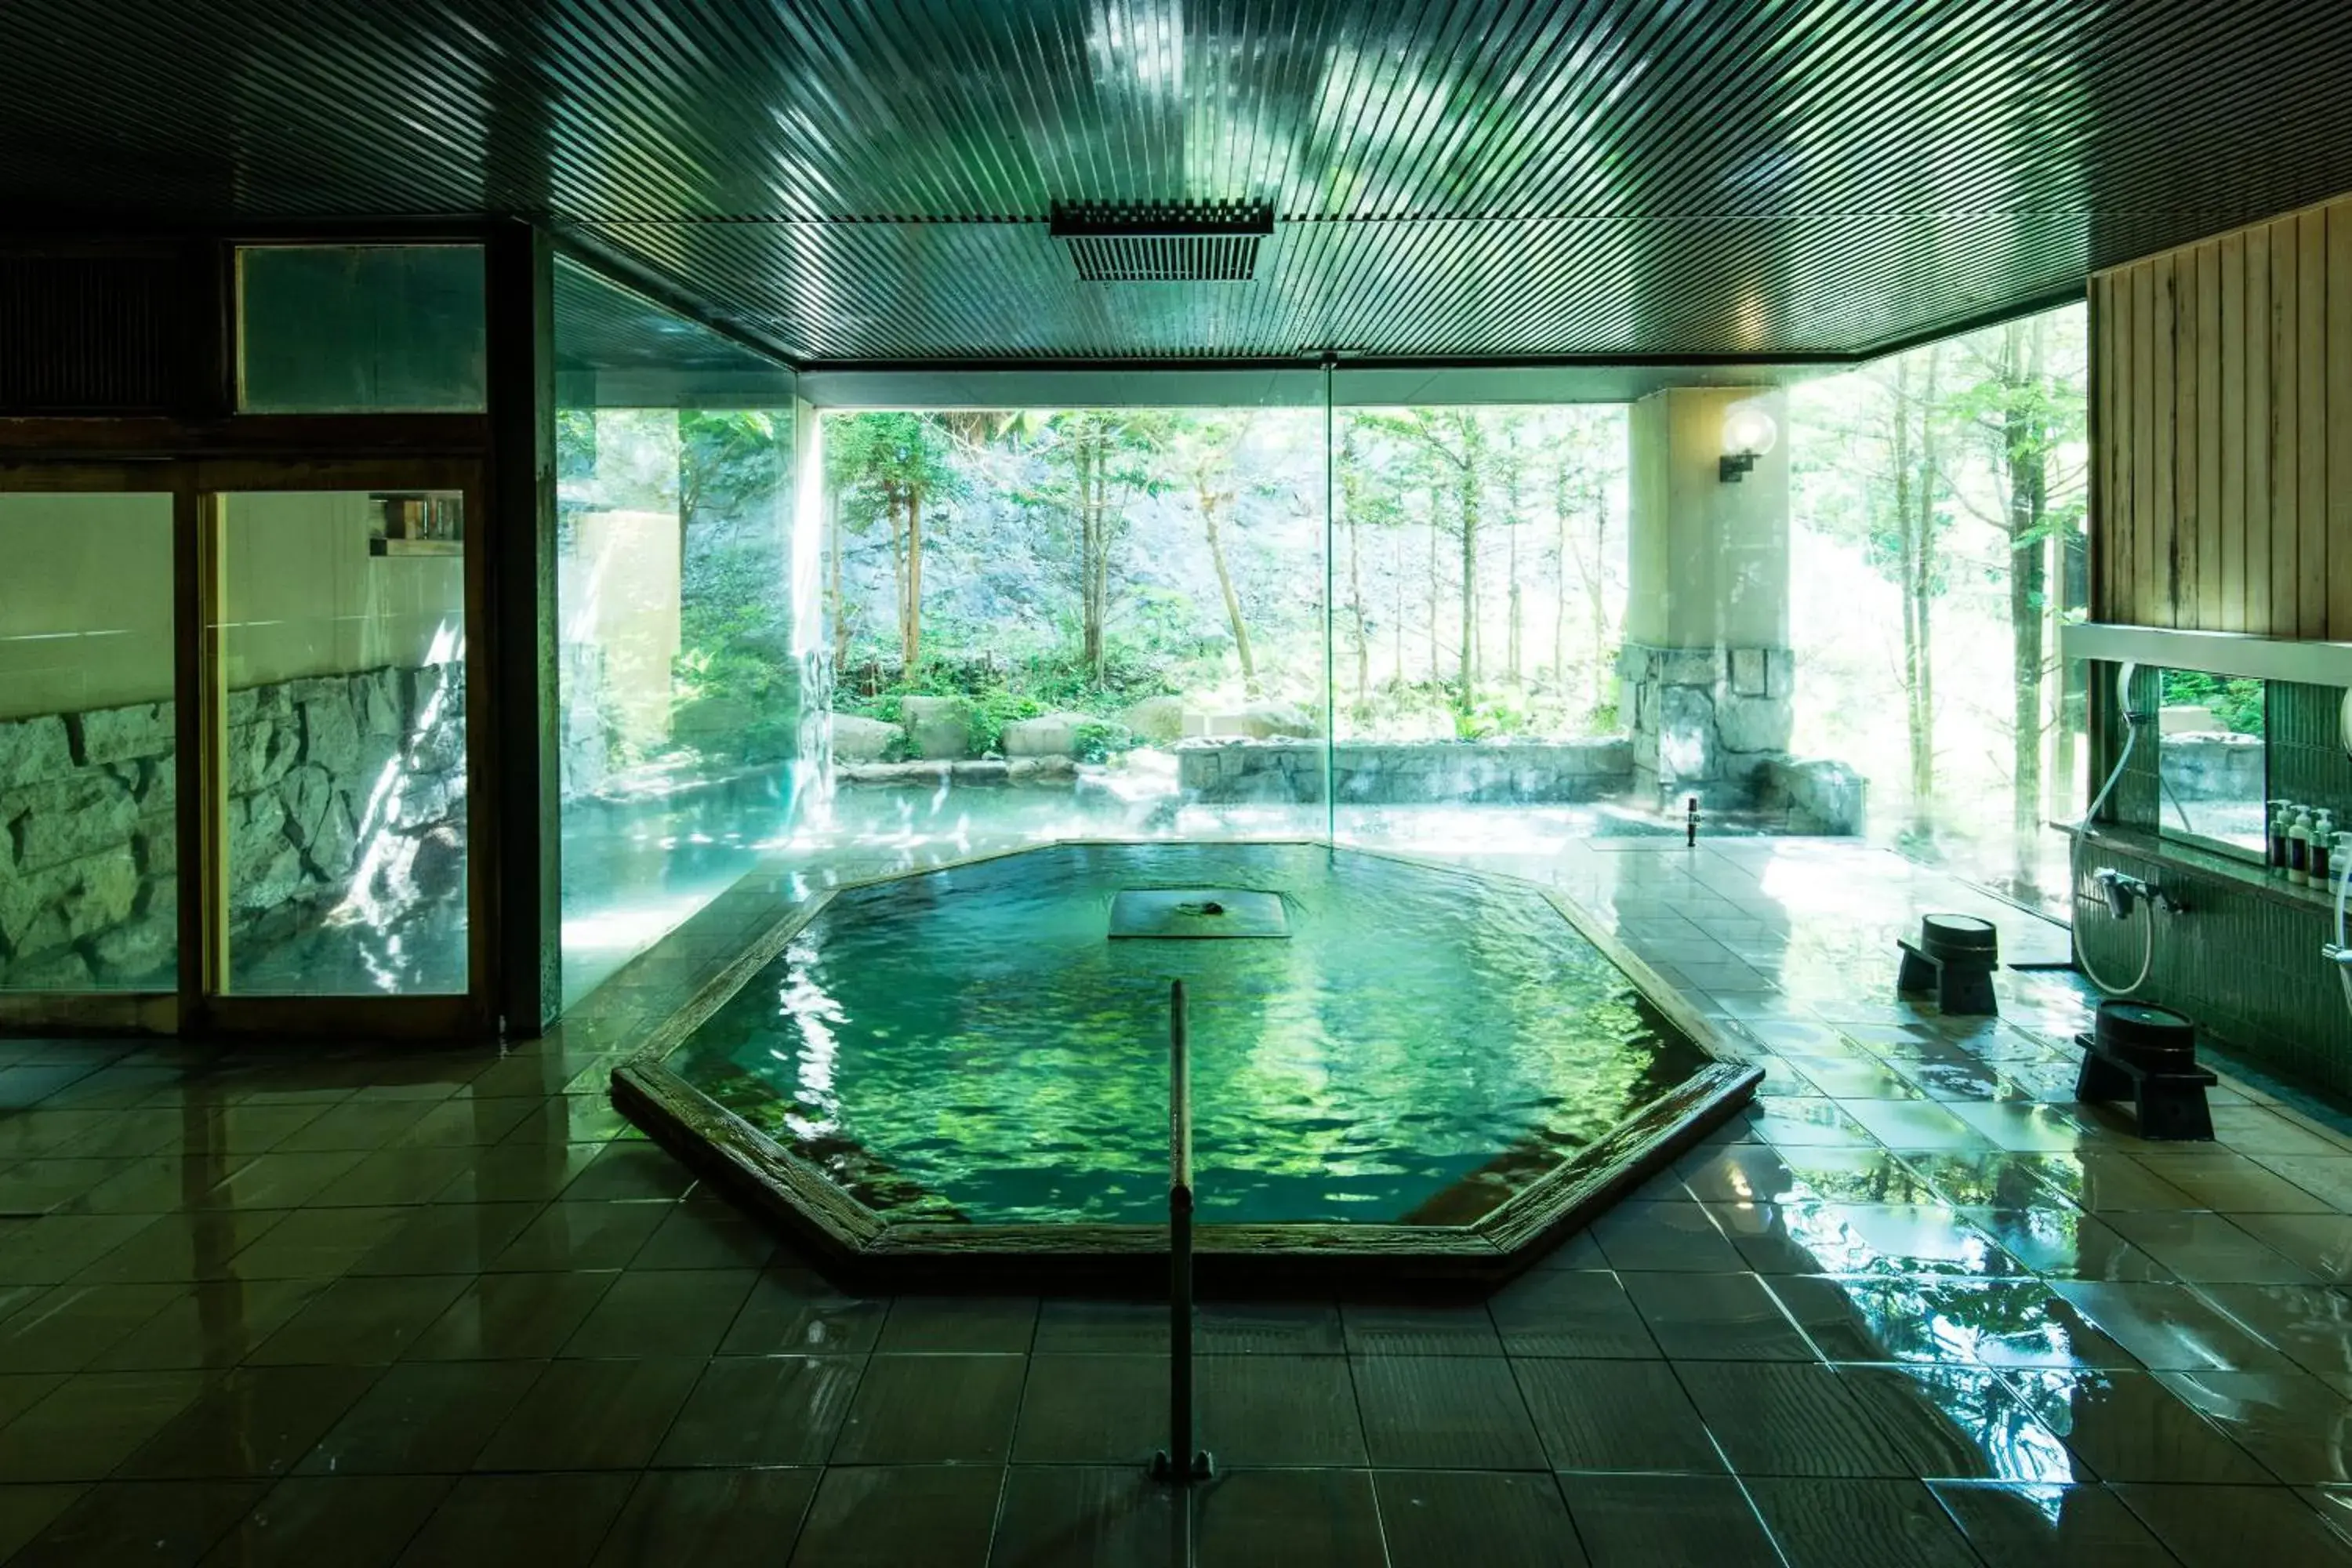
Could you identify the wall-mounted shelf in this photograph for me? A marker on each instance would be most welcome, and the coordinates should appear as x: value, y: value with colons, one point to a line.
x: 417, y: 547
x: 2214, y: 653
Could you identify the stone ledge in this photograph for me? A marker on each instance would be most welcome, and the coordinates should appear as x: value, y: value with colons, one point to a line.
x: 1406, y: 772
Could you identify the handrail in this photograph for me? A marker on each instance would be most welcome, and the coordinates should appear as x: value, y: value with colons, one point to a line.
x: 1166, y: 1465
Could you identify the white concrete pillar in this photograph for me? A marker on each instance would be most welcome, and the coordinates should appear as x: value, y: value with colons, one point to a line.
x: 1707, y: 659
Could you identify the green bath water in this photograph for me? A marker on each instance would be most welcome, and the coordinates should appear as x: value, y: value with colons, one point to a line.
x: 971, y: 1045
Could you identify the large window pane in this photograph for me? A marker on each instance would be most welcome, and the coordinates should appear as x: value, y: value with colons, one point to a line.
x: 1480, y: 580
x: 1937, y: 544
x: 342, y: 647
x: 88, y: 899
x: 352, y: 329
x: 684, y: 659
x: 1054, y: 622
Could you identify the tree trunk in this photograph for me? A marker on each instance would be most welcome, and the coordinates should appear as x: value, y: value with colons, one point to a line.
x: 1089, y: 459
x: 1435, y: 668
x: 2024, y: 441
x: 832, y: 549
x: 914, y: 624
x: 1916, y: 508
x: 1396, y: 628
x: 1208, y: 501
x: 1559, y: 576
x: 1511, y: 651
x: 1356, y: 603
x: 1474, y: 451
x: 1600, y: 629
x: 890, y: 504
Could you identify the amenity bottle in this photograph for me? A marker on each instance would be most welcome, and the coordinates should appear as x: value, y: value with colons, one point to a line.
x: 2322, y: 838
x: 2298, y: 847
x: 2282, y: 815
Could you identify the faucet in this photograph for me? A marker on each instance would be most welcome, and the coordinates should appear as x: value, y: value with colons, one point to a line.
x: 2121, y: 889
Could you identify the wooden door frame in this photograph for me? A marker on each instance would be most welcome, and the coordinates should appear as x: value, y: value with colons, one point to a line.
x: 102, y: 1012
x: 201, y: 1003
x: 208, y: 1004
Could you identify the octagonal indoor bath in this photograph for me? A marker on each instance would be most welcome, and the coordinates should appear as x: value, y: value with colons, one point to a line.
x: 1398, y: 1069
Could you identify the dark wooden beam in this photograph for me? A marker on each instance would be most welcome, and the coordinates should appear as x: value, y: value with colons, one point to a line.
x: 520, y: 535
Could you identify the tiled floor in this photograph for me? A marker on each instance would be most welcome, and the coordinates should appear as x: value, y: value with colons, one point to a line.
x: 1916, y: 1308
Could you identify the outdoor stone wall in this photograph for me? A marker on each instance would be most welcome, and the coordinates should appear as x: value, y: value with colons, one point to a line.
x: 88, y: 834
x: 2213, y: 766
x: 1704, y: 719
x: 1515, y: 773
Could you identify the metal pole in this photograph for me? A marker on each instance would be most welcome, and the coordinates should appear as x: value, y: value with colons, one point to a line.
x: 1180, y: 1462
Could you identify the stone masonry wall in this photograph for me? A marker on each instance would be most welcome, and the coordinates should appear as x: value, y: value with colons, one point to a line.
x: 1517, y: 773
x: 1707, y: 716
x: 87, y: 834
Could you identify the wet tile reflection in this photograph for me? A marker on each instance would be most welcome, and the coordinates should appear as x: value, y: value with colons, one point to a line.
x: 1915, y: 1306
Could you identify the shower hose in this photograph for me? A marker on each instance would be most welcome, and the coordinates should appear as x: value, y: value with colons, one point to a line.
x: 2343, y: 892
x: 2148, y: 915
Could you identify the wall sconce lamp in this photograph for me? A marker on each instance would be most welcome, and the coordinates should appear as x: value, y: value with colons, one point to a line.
x: 1748, y: 434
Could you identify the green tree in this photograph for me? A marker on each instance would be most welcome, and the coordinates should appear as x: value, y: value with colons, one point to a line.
x: 1099, y: 460
x: 2025, y: 415
x: 1199, y: 452
x: 1450, y: 445
x: 889, y: 468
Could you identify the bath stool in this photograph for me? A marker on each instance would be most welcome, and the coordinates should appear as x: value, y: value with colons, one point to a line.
x: 2149, y: 1055
x: 1955, y: 957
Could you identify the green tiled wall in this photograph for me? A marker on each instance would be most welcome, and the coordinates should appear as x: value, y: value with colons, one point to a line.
x: 2304, y: 755
x: 2244, y: 963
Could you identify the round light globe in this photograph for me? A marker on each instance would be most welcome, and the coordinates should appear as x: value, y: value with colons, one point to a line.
x: 1748, y: 429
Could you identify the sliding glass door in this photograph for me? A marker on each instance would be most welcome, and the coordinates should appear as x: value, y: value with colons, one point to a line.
x: 238, y: 759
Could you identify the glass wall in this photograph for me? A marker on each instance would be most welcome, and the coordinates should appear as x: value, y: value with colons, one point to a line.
x: 1480, y: 586
x: 1009, y: 607
x: 343, y: 649
x: 685, y: 659
x: 88, y: 839
x: 1937, y: 515
x: 1128, y: 621
x: 1051, y: 622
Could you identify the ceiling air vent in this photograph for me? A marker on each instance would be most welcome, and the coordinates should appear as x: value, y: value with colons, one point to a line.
x: 1163, y: 242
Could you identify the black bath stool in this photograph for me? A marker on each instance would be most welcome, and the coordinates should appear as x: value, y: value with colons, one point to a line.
x: 2149, y: 1055
x: 1954, y: 957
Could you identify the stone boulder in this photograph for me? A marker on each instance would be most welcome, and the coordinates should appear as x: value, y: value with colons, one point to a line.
x: 1159, y: 719
x: 860, y: 739
x: 1266, y: 722
x: 32, y: 750
x: 1754, y: 723
x: 939, y: 729
x: 119, y: 734
x: 1048, y: 735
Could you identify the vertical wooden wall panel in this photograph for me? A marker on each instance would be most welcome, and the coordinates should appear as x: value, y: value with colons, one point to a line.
x: 2311, y: 417
x: 2187, y: 353
x: 2258, y: 429
x: 2098, y: 534
x: 2339, y: 420
x: 2229, y: 425
x: 2223, y: 432
x: 2117, y: 507
x: 2286, y: 490
x: 2164, y: 454
x: 2212, y: 577
x: 2143, y: 423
